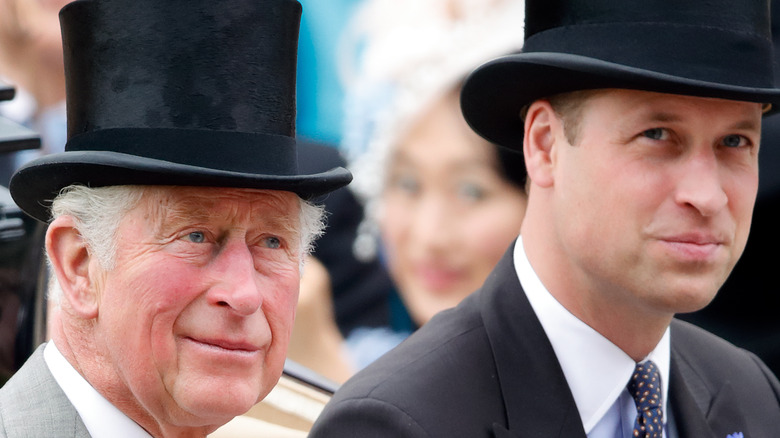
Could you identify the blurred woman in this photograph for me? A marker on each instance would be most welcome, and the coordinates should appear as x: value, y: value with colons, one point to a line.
x: 450, y: 210
x: 442, y: 205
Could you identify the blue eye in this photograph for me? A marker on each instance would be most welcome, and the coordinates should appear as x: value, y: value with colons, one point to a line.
x: 656, y: 134
x: 273, y: 242
x: 197, y: 237
x: 734, y: 141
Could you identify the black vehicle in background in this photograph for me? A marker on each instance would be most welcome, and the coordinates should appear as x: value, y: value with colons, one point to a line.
x: 22, y: 270
x: 22, y: 286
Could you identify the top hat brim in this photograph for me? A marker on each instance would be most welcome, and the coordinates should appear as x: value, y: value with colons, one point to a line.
x: 37, y: 183
x: 494, y: 94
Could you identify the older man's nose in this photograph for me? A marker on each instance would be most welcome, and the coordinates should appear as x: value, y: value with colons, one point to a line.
x: 237, y: 286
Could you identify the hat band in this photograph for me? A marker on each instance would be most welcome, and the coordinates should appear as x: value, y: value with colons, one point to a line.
x: 694, y: 52
x: 254, y: 153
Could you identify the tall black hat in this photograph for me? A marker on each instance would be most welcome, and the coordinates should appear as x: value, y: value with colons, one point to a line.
x: 712, y: 48
x: 177, y: 92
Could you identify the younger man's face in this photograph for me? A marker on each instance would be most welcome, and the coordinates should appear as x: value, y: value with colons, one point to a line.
x: 653, y: 203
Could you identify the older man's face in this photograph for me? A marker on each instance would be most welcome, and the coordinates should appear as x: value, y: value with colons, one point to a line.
x: 197, y: 313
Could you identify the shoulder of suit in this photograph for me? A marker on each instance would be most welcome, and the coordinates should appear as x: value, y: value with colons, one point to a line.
x: 32, y: 394
x: 442, y: 372
x: 712, y: 355
x: 692, y: 336
x: 440, y: 351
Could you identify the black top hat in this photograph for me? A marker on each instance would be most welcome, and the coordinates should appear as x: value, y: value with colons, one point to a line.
x: 717, y: 48
x: 177, y: 92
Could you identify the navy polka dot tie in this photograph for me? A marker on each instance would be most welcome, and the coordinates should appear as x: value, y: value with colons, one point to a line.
x: 645, y: 387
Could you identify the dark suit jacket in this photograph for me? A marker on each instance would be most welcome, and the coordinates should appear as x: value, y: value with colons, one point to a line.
x: 487, y: 369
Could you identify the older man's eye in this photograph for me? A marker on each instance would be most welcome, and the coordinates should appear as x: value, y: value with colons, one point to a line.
x: 196, y: 237
x: 272, y: 242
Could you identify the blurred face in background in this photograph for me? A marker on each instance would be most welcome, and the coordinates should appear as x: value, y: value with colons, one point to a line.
x: 31, y: 48
x: 449, y: 213
x: 32, y: 18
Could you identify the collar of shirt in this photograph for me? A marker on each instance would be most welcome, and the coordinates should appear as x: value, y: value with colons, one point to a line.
x: 101, y: 418
x: 596, y: 370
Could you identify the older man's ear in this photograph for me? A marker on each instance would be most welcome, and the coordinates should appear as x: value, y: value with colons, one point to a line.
x: 70, y: 262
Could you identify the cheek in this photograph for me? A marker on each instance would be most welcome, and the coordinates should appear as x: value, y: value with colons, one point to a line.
x: 137, y: 320
x: 146, y: 301
x: 279, y: 303
x: 742, y: 198
x: 166, y: 290
x: 488, y: 234
x: 394, y: 221
x: 742, y: 190
x: 613, y: 194
x: 279, y: 312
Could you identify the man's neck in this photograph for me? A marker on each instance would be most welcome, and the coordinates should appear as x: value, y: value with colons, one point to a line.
x: 604, y: 307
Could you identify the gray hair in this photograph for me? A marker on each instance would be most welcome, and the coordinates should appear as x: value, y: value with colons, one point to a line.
x: 97, y: 213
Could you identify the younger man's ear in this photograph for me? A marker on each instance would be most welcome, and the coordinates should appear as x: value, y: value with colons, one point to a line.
x: 70, y: 261
x: 542, y: 127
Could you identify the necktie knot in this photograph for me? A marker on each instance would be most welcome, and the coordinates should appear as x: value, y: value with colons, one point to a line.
x: 645, y: 388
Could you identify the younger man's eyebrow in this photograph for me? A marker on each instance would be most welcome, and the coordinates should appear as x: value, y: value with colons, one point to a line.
x: 664, y: 117
x: 747, y: 124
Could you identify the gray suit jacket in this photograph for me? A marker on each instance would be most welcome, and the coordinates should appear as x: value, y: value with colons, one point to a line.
x: 32, y: 404
x: 487, y: 370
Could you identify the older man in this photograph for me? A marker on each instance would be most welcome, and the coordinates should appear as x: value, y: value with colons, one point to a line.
x: 640, y: 125
x: 179, y: 220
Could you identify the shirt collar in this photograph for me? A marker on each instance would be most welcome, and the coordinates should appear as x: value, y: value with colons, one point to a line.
x: 101, y: 418
x: 596, y: 370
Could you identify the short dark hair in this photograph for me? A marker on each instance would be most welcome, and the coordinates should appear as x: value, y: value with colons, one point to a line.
x: 568, y: 106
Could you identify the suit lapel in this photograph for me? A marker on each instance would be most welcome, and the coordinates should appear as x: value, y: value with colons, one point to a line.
x: 499, y: 431
x: 688, y: 402
x: 537, y: 398
x: 724, y: 416
x: 701, y: 408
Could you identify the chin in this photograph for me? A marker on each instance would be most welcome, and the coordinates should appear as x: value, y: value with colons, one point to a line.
x: 692, y: 298
x: 218, y: 412
x: 216, y: 404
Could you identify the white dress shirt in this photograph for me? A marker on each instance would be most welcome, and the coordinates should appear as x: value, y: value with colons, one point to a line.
x: 596, y: 370
x: 102, y: 419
